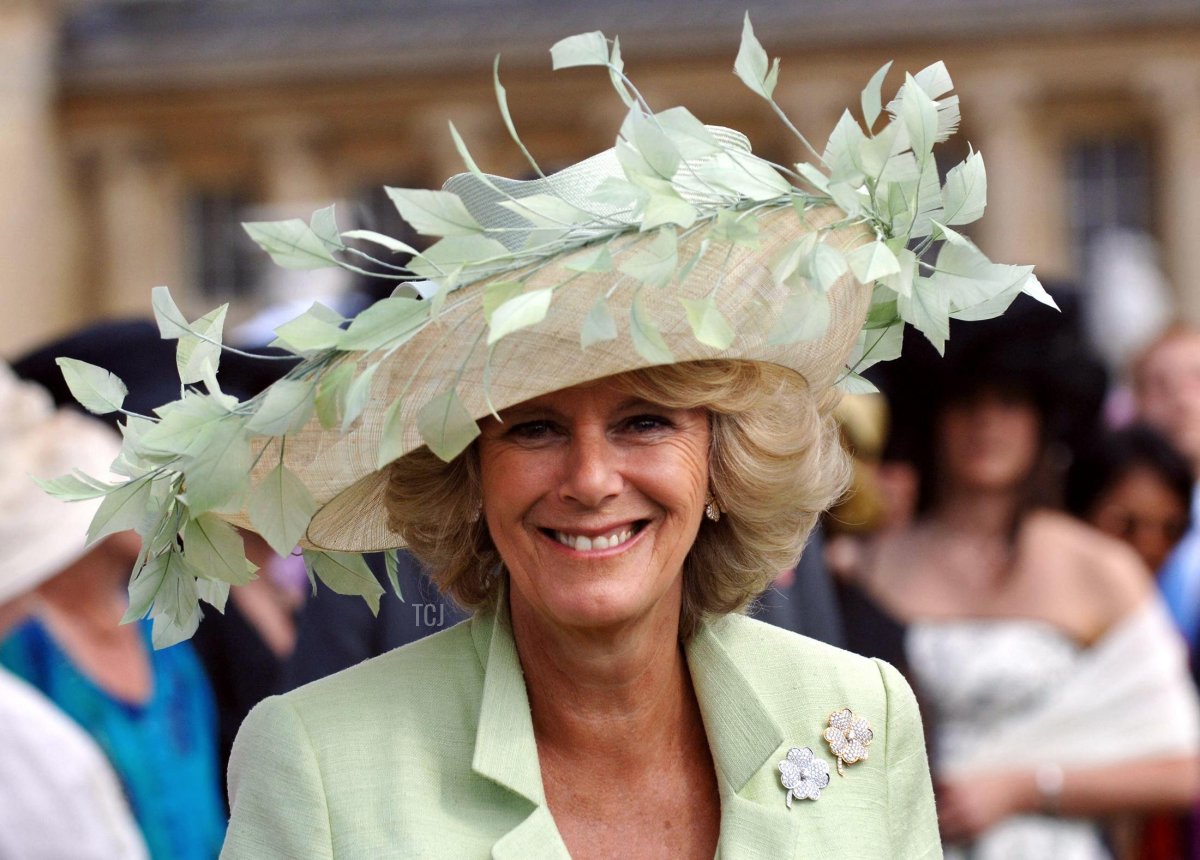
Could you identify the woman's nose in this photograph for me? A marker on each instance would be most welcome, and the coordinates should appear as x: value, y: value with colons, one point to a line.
x: 592, y: 470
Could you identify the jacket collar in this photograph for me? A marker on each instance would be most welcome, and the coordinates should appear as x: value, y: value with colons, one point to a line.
x: 742, y: 735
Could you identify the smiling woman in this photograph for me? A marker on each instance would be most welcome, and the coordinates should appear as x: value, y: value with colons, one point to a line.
x: 598, y: 409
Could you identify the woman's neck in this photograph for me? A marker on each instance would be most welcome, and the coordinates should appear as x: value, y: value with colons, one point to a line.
x: 979, y: 514
x: 612, y: 696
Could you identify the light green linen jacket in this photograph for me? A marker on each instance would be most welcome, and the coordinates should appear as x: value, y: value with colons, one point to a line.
x: 428, y: 751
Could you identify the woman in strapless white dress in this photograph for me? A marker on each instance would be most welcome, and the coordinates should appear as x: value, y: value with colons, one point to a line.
x: 1056, y: 691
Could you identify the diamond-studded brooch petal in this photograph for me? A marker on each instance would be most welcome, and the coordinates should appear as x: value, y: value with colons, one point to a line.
x: 803, y: 775
x: 848, y: 737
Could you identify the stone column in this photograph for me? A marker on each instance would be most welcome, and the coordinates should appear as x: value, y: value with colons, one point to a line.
x: 139, y: 223
x: 36, y: 232
x: 1027, y: 211
x: 295, y: 174
x: 1174, y: 88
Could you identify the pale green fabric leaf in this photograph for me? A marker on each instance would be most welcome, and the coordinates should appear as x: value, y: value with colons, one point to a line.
x: 793, y: 257
x: 433, y: 213
x: 619, y: 194
x: 391, y: 436
x: 872, y: 103
x: 312, y: 331
x: 76, y: 487
x: 358, y: 393
x: 201, y: 348
x: 814, y: 176
x: 286, y: 407
x: 598, y: 325
x: 872, y: 261
x: 331, y: 393
x: 918, y: 112
x: 547, y: 210
x: 902, y: 281
x: 584, y: 49
x: 652, y: 143
x: 452, y: 254
x: 218, y: 470
x: 176, y: 610
x: 394, y: 245
x: 662, y: 209
x: 647, y: 339
x: 446, y: 425
x: 842, y: 150
x: 346, y: 573
x: 171, y: 322
x: 214, y: 592
x: 934, y: 79
x: 184, y: 426
x: 122, y: 509
x: 852, y: 383
x: 391, y: 563
x: 751, y: 63
x: 877, y: 344
x: 653, y: 263
x: 708, y: 324
x: 497, y: 293
x: 291, y: 244
x: 519, y: 312
x: 804, y: 317
x: 97, y: 390
x: 280, y: 509
x: 850, y: 199
x: 215, y: 549
x: 964, y: 194
x: 740, y: 228
x: 691, y: 138
x: 145, y: 583
x: 967, y: 277
x: 615, y: 67
x: 388, y: 322
x: 1033, y: 288
x: 591, y: 260
x: 506, y: 115
x: 323, y: 223
x: 927, y: 309
x: 743, y: 174
x: 826, y: 264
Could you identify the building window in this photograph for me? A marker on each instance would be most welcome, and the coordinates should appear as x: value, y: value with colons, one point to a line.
x: 226, y: 265
x: 1109, y: 187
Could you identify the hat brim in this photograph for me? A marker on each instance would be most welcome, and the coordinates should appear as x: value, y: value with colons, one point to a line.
x: 341, y: 470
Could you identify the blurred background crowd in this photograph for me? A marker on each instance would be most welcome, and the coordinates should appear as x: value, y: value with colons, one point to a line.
x: 1020, y: 537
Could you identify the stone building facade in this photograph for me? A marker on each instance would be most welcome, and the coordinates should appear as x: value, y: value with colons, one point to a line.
x: 138, y: 133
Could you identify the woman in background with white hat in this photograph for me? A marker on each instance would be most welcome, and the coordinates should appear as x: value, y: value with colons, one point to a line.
x: 149, y: 713
x: 58, y: 795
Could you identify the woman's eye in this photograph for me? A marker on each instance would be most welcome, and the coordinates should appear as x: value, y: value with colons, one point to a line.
x: 647, y: 423
x: 531, y: 430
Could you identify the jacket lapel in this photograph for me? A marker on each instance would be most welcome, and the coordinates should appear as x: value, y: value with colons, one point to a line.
x: 505, y: 749
x: 744, y: 738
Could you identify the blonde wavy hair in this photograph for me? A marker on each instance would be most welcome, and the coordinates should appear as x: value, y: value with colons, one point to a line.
x: 775, y: 464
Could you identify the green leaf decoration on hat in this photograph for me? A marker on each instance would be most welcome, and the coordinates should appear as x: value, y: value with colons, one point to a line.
x: 620, y: 233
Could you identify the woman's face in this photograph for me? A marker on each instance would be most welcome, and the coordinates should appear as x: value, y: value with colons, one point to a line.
x: 1141, y: 510
x: 989, y: 443
x: 593, y: 499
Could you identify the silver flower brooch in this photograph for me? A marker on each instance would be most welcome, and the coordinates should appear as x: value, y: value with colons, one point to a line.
x: 848, y: 737
x: 803, y: 775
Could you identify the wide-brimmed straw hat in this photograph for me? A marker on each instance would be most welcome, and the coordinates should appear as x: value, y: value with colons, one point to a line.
x: 41, y: 535
x: 677, y: 244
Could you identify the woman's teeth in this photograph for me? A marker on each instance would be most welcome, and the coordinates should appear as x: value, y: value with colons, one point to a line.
x: 579, y: 543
